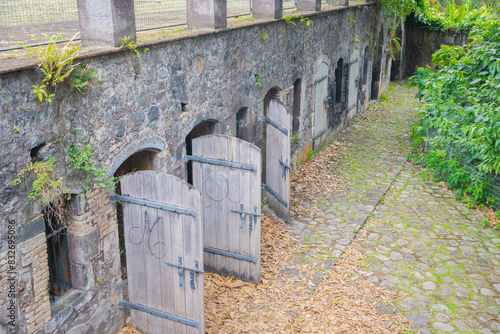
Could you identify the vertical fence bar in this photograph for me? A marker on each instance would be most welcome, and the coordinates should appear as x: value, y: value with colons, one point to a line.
x: 66, y: 253
x: 55, y: 267
x: 62, y: 265
x: 50, y: 276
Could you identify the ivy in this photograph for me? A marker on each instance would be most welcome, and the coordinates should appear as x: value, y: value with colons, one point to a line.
x: 48, y: 187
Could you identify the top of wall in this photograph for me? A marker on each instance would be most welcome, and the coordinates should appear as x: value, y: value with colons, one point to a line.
x: 19, y: 63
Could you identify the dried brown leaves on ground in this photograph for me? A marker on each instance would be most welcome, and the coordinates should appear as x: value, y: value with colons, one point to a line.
x: 287, y: 303
x: 317, y: 178
x: 128, y: 329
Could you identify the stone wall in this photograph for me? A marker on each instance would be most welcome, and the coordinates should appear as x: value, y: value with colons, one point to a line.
x: 421, y: 43
x: 151, y: 102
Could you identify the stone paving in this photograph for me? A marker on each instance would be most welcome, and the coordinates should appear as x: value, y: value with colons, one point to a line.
x: 430, y: 248
x: 418, y: 239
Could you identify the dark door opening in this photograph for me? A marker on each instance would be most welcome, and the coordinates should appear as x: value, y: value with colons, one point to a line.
x: 204, y: 128
x: 136, y: 162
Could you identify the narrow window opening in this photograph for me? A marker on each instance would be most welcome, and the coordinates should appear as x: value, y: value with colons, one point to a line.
x: 57, y: 249
x: 339, y: 74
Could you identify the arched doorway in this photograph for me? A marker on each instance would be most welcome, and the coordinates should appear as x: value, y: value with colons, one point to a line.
x: 138, y: 161
x: 377, y: 65
x: 204, y: 128
x: 276, y: 173
x: 320, y: 123
x: 246, y: 127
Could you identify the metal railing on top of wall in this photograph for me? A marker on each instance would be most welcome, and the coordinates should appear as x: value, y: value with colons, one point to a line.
x: 23, y: 22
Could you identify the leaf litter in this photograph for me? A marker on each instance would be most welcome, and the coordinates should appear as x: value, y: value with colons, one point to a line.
x: 317, y: 178
x: 343, y: 302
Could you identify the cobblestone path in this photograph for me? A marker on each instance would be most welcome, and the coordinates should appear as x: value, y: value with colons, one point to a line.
x: 417, y: 239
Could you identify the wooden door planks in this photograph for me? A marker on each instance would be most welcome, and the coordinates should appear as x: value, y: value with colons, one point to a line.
x: 155, y: 236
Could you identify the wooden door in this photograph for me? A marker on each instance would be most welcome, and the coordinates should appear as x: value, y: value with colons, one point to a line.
x: 164, y: 244
x: 320, y: 106
x: 278, y: 169
x: 352, y: 100
x: 227, y: 170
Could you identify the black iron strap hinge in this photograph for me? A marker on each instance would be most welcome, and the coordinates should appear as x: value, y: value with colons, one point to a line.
x: 318, y: 135
x: 124, y: 303
x: 272, y: 192
x: 154, y: 205
x: 220, y: 163
x: 265, y: 119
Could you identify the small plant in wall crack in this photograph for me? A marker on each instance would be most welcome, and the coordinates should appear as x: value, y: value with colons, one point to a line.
x: 257, y: 80
x: 81, y: 159
x: 81, y: 77
x: 265, y: 36
x: 56, y: 64
x: 127, y: 43
x: 308, y: 21
x: 289, y: 18
x: 47, y: 187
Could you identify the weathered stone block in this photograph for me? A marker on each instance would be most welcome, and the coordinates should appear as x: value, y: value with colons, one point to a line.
x: 267, y: 9
x: 308, y: 5
x: 83, y: 248
x: 207, y: 14
x: 104, y: 22
x: 32, y: 229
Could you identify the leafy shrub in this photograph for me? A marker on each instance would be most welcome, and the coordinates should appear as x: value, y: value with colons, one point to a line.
x: 460, y: 115
x: 462, y: 18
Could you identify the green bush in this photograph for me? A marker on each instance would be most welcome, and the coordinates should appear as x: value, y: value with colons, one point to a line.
x: 460, y: 114
x: 462, y: 18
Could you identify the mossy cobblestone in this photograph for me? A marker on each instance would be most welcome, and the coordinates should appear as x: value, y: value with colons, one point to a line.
x: 418, y: 240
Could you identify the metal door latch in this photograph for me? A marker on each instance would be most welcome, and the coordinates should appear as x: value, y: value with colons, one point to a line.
x: 285, y: 166
x: 243, y: 213
x: 181, y: 267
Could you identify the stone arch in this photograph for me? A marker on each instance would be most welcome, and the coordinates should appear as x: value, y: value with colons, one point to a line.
x: 154, y: 144
x: 202, y: 128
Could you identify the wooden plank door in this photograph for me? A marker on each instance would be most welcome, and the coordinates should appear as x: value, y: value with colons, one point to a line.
x: 227, y: 170
x: 164, y: 244
x: 320, y: 106
x: 278, y: 158
x: 352, y: 100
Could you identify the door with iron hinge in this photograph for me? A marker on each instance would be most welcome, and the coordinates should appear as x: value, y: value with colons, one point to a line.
x: 227, y: 171
x: 320, y: 106
x: 352, y: 100
x: 277, y: 186
x: 164, y: 243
